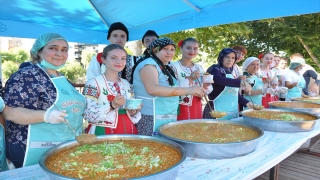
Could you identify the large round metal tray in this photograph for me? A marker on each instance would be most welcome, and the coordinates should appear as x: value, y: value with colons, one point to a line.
x: 215, y: 150
x: 296, y: 106
x: 279, y: 125
x: 315, y: 100
x: 170, y: 173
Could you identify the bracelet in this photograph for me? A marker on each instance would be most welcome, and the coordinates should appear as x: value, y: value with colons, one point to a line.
x: 111, y: 107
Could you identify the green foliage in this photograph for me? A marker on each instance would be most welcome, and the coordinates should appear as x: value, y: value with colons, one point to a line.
x: 211, y: 39
x: 8, y: 68
x: 15, y: 55
x: 271, y: 35
x: 73, y: 71
x: 86, y: 56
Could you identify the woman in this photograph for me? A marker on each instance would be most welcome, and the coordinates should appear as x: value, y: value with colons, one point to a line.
x: 188, y: 74
x: 293, y: 80
x: 2, y: 131
x: 40, y: 101
x: 156, y: 83
x: 225, y: 95
x: 241, y: 52
x: 111, y: 91
x: 250, y: 69
x: 267, y: 75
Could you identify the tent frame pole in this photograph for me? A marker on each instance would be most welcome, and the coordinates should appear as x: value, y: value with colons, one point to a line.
x: 192, y: 5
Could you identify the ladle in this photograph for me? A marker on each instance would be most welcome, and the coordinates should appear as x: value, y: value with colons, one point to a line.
x: 255, y: 107
x: 82, y: 138
x: 213, y: 113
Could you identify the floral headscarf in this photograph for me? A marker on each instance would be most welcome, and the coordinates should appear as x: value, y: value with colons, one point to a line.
x: 157, y: 45
x: 153, y: 49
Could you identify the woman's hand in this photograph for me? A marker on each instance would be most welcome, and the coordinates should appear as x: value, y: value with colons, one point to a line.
x: 133, y: 111
x: 194, y: 75
x: 196, y: 91
x: 246, y: 87
x: 118, y: 101
x: 313, y: 88
x: 53, y: 116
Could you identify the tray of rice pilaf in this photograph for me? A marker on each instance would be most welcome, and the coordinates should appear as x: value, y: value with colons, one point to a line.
x: 114, y: 157
x: 309, y: 99
x: 218, y: 139
x: 280, y: 120
x: 303, y: 106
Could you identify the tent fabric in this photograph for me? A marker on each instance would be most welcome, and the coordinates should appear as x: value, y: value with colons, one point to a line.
x: 87, y: 21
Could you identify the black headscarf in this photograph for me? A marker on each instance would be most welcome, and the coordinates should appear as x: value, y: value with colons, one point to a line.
x: 223, y: 53
x: 153, y: 49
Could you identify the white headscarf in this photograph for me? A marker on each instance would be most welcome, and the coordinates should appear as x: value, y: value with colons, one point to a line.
x: 248, y: 61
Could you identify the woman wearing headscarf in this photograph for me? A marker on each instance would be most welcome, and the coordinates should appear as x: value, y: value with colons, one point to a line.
x: 293, y: 80
x: 225, y: 95
x: 250, y: 69
x: 40, y: 102
x: 155, y: 82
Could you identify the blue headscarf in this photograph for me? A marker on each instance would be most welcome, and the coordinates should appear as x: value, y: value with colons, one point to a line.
x: 223, y: 53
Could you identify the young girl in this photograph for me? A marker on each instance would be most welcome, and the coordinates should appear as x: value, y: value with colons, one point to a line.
x: 267, y: 75
x: 188, y: 74
x: 111, y: 91
x: 274, y: 91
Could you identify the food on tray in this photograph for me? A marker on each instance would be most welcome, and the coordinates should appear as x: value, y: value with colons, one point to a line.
x: 317, y: 100
x: 258, y: 107
x: 279, y: 115
x: 211, y: 132
x: 114, y: 159
x: 295, y: 104
x: 86, y: 138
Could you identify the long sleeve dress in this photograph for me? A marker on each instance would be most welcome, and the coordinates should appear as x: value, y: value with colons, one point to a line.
x: 101, y: 91
x: 190, y: 106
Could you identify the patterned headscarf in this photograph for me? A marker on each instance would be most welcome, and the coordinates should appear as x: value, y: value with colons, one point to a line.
x: 153, y: 49
x: 157, y: 45
x: 223, y: 53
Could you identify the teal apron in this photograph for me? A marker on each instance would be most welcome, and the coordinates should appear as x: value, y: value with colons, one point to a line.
x: 3, y: 162
x: 227, y: 101
x: 42, y: 136
x: 257, y: 99
x: 165, y: 111
x: 297, y: 90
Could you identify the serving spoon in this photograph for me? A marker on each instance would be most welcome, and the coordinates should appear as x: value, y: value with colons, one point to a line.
x: 213, y: 113
x: 82, y: 138
x: 255, y: 107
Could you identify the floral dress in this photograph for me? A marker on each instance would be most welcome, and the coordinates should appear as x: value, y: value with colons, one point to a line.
x: 29, y: 88
x: 102, y: 92
x: 190, y: 106
x: 266, y: 98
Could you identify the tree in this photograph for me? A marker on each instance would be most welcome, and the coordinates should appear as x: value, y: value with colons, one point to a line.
x: 211, y: 39
x: 73, y: 71
x: 16, y: 55
x: 8, y: 68
x: 86, y: 56
x: 289, y: 34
